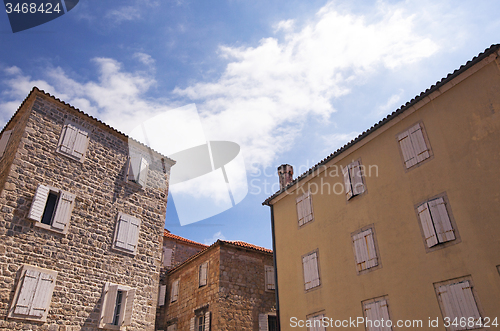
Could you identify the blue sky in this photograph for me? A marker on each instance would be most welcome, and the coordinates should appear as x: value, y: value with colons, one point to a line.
x: 289, y: 81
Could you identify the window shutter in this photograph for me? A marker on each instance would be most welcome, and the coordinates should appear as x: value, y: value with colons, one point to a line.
x: 383, y: 311
x: 427, y: 225
x: 38, y: 204
x: 43, y: 294
x: 191, y: 324
x: 347, y: 182
x: 406, y: 145
x: 358, y: 251
x: 175, y: 291
x: 207, y: 321
x: 122, y: 235
x: 129, y: 305
x: 143, y: 172
x: 418, y: 142
x: 80, y: 145
x: 468, y: 301
x: 63, y: 211
x: 69, y: 134
x: 375, y: 311
x: 203, y: 274
x: 138, y: 170
x: 371, y: 253
x: 133, y: 233
x: 307, y: 271
x: 263, y: 326
x: 27, y: 292
x: 311, y: 274
x: 4, y: 141
x: 356, y: 178
x: 441, y: 220
x: 269, y: 277
x: 161, y: 295
x: 458, y: 301
x: 109, y: 302
x: 300, y: 210
x: 167, y: 257
x: 307, y: 202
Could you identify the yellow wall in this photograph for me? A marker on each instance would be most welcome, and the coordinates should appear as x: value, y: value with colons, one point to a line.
x: 463, y: 128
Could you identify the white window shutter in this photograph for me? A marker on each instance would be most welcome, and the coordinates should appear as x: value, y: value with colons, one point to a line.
x: 269, y: 277
x: 191, y: 324
x: 143, y: 172
x: 43, y: 294
x: 108, y: 304
x: 371, y: 252
x: 203, y: 274
x: 263, y: 324
x: 441, y: 220
x: 167, y: 256
x: 161, y: 295
x: 383, y: 311
x: 67, y: 142
x: 358, y: 251
x: 468, y: 301
x: 38, y: 204
x: 174, y: 294
x: 63, y: 211
x: 307, y: 271
x: 122, y: 235
x: 427, y: 225
x: 133, y: 233
x: 4, y: 141
x: 356, y: 178
x: 347, y: 182
x: 207, y: 321
x: 129, y: 306
x: 308, y: 216
x: 27, y: 292
x: 311, y: 273
x: 300, y: 210
x: 407, y: 149
x: 138, y: 170
x: 418, y: 142
x: 80, y: 145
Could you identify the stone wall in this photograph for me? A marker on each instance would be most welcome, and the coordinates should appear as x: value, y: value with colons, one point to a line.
x: 181, y: 251
x: 84, y: 258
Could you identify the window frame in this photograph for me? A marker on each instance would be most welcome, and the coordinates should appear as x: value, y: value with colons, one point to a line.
x: 314, y: 317
x: 202, y: 282
x: 371, y: 301
x: 140, y: 163
x: 349, y: 186
x: 264, y: 321
x: 126, y: 310
x: 71, y: 153
x: 204, y: 313
x: 439, y: 245
x: 365, y: 270
x: 426, y: 141
x: 269, y: 280
x: 316, y: 251
x: 49, y: 291
x: 119, y: 235
x: 62, y: 211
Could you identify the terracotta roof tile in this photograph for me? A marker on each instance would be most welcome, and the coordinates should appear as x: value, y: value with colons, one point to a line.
x: 247, y: 245
x: 179, y: 238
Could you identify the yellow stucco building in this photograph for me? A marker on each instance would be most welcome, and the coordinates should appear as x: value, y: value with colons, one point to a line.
x: 400, y: 228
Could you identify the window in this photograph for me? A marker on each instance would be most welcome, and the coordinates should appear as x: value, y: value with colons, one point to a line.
x: 364, y: 250
x: 73, y: 141
x: 161, y: 295
x: 174, y: 293
x: 51, y: 208
x: 167, y: 256
x: 4, y: 141
x: 456, y: 300
x: 116, y: 307
x: 127, y: 233
x: 376, y: 313
x: 315, y: 323
x: 33, y: 294
x: 201, y: 320
x: 137, y: 170
x: 268, y: 322
x: 311, y: 272
x: 269, y: 270
x: 353, y: 179
x: 203, y: 271
x: 414, y: 146
x: 304, y: 208
x: 435, y: 222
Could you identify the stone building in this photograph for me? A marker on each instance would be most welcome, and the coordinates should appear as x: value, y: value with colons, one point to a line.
x: 82, y: 211
x: 227, y: 286
x: 177, y: 249
x: 401, y: 224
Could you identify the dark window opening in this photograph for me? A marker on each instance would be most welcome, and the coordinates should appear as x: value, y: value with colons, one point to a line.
x: 272, y: 323
x: 118, y: 305
x: 50, y: 208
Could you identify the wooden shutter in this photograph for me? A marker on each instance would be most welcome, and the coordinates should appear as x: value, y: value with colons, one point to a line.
x: 63, y: 211
x: 161, y: 295
x: 43, y: 294
x: 4, y: 141
x: 263, y: 326
x: 109, y: 302
x: 122, y: 234
x: 129, y: 305
x: 80, y: 145
x: 269, y: 277
x: 207, y: 321
x: 370, y: 246
x: 409, y: 155
x: 203, y: 274
x: 427, y: 225
x: 441, y: 220
x: 167, y: 257
x: 133, y: 233
x: 311, y: 274
x: 356, y: 178
x: 27, y: 292
x: 143, y: 172
x: 300, y: 210
x: 347, y: 182
x: 38, y: 204
x: 418, y: 142
x: 375, y: 311
x: 308, y: 213
x: 138, y: 170
x: 458, y: 301
x: 191, y: 323
x: 174, y: 294
x: 364, y: 248
x: 67, y: 142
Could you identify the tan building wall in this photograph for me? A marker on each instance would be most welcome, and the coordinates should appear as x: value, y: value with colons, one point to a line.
x: 461, y: 120
x: 83, y: 257
x: 235, y: 294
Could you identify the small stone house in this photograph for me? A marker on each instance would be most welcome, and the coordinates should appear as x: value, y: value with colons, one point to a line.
x: 227, y: 286
x: 82, y: 212
x: 177, y: 249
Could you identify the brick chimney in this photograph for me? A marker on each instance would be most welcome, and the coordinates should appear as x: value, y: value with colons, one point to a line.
x: 285, y: 174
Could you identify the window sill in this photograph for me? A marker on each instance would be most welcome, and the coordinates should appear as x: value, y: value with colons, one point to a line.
x: 69, y: 156
x: 50, y: 228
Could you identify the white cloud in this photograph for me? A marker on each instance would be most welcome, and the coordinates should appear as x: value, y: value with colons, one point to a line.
x: 392, y: 103
x: 128, y: 13
x: 336, y: 140
x: 144, y: 58
x: 214, y: 238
